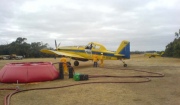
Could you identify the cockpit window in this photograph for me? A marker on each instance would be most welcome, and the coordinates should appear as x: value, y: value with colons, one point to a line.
x: 97, y: 47
x: 89, y: 46
x: 92, y: 46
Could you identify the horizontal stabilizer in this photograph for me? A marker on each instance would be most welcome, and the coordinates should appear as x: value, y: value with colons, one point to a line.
x: 119, y: 55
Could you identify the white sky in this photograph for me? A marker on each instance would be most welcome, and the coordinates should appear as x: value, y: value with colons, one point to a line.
x: 147, y: 24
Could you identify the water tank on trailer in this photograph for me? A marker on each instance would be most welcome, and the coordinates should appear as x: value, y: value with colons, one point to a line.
x: 28, y: 72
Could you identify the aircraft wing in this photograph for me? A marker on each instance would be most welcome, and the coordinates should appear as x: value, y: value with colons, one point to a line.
x: 61, y: 53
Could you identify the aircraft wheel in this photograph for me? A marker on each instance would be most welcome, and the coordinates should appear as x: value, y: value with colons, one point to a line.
x: 76, y: 63
x: 125, y: 65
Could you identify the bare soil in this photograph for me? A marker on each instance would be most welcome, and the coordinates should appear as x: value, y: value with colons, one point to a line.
x: 159, y: 91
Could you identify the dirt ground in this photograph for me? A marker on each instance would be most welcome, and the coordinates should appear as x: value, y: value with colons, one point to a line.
x: 159, y: 91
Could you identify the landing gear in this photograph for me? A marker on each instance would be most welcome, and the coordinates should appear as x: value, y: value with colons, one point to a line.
x: 76, y: 63
x: 125, y: 65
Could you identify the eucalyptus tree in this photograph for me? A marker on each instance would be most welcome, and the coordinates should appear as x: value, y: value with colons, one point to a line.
x: 177, y: 34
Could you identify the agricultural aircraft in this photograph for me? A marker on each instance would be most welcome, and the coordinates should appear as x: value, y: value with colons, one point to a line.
x: 85, y: 53
x: 154, y: 54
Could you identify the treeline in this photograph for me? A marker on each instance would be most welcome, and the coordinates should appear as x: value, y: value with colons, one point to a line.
x: 142, y: 52
x: 173, y: 48
x: 21, y: 47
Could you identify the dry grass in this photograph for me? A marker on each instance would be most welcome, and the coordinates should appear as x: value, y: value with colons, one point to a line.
x: 160, y: 91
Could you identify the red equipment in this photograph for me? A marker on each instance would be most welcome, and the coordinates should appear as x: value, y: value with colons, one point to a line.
x: 28, y: 72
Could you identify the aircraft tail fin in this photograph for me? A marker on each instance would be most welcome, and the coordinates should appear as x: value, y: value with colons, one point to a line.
x: 124, y: 48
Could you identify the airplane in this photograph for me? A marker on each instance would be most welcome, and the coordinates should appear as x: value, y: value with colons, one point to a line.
x: 154, y: 54
x: 85, y: 53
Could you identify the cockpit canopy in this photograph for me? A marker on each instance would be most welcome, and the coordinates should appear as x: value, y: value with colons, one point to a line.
x: 95, y: 46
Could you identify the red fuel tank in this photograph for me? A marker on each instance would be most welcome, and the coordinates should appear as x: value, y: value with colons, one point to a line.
x: 28, y: 72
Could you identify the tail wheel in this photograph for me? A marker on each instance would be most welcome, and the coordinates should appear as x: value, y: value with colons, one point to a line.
x: 125, y: 65
x: 76, y: 63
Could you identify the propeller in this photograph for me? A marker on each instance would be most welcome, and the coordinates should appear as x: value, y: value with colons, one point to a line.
x: 56, y: 45
x: 59, y: 44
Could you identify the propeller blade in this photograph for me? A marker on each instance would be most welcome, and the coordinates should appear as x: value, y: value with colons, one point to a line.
x: 55, y: 44
x: 59, y: 44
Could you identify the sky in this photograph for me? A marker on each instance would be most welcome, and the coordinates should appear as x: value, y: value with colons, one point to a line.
x: 147, y: 24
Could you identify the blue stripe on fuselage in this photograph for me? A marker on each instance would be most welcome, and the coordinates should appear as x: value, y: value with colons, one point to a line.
x: 93, y: 52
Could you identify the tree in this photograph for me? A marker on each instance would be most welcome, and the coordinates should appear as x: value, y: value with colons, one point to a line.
x: 20, y: 40
x: 177, y: 34
x: 173, y: 48
x: 20, y: 47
